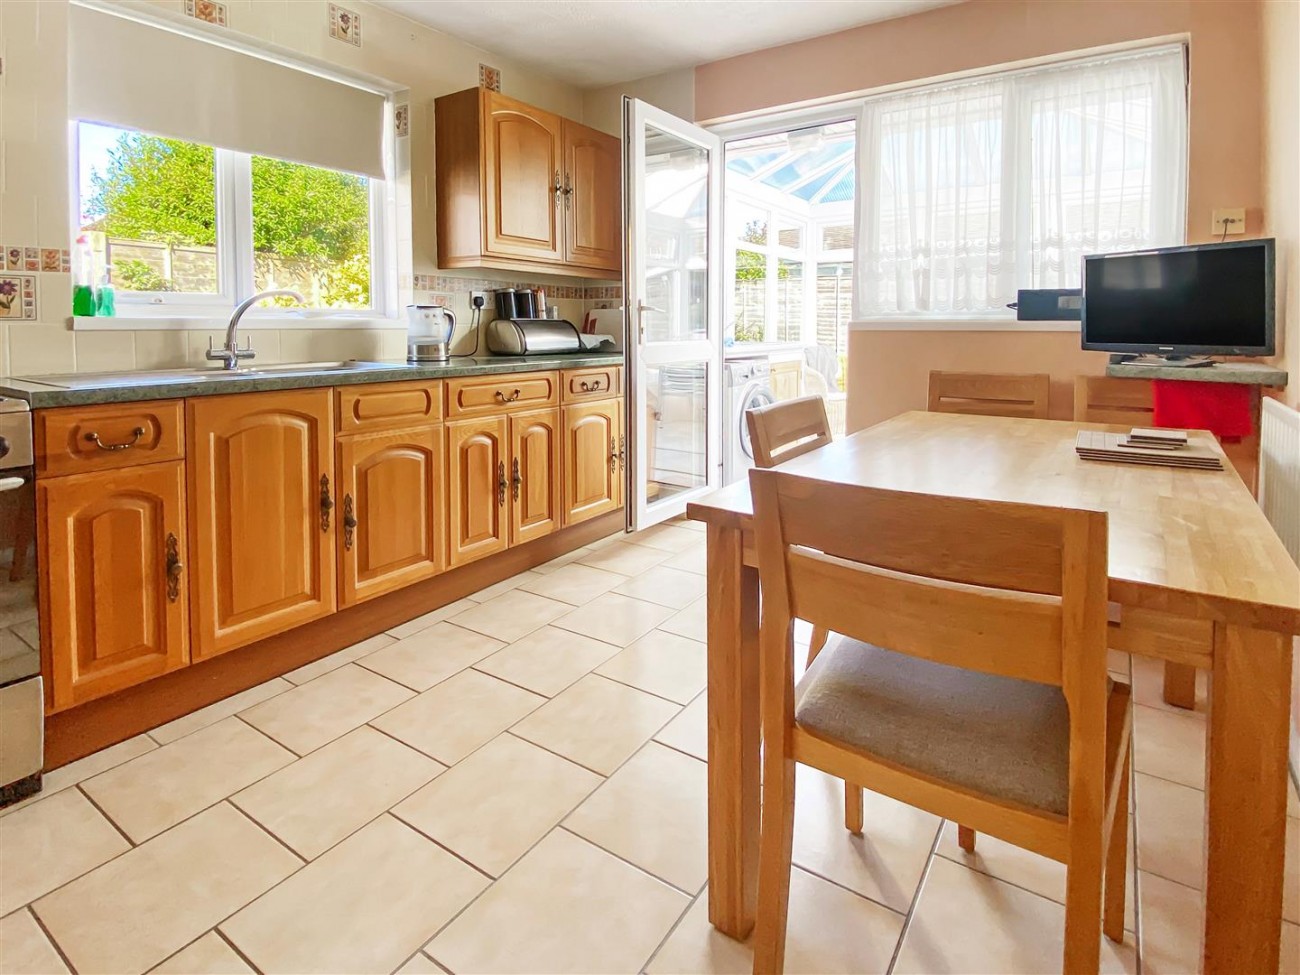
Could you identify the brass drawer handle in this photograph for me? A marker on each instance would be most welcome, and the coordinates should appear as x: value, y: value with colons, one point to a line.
x: 136, y: 434
x: 503, y: 398
x: 174, y: 568
x: 591, y: 387
x: 349, y: 521
x: 501, y: 483
x: 326, y: 503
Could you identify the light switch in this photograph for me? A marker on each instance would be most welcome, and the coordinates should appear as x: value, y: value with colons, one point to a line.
x: 1234, y: 218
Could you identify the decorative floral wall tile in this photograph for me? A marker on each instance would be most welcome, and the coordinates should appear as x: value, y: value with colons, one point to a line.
x: 208, y: 10
x: 18, y: 297
x: 402, y: 120
x: 15, y: 257
x: 489, y: 77
x: 448, y: 285
x: 345, y: 25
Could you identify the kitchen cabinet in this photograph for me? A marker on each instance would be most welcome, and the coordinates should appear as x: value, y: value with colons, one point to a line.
x: 520, y: 188
x: 113, y: 579
x: 79, y: 439
x: 534, y: 475
x: 263, y: 516
x: 785, y: 378
x: 477, y: 488
x: 594, y: 459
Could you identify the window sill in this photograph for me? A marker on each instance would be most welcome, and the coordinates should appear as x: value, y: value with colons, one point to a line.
x: 196, y: 322
x: 972, y: 323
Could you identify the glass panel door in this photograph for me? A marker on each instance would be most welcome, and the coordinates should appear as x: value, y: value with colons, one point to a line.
x: 673, y: 307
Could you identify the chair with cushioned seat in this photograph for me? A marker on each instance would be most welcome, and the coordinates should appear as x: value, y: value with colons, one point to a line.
x: 970, y: 680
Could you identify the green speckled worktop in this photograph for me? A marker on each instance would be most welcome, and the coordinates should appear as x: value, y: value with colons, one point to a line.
x: 120, y: 388
x: 1248, y: 373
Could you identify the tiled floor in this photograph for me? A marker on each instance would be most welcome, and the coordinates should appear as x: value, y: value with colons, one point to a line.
x: 516, y: 783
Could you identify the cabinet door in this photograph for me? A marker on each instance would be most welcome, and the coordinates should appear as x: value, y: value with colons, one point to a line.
x: 390, y: 511
x: 113, y: 570
x: 784, y: 379
x: 522, y: 160
x: 534, y: 475
x: 593, y: 198
x: 477, y: 488
x: 262, y: 495
x: 593, y: 452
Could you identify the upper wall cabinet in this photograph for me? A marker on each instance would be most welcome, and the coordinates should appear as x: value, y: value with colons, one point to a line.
x: 522, y: 189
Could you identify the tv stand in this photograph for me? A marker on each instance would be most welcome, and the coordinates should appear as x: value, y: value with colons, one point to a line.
x: 1169, y: 361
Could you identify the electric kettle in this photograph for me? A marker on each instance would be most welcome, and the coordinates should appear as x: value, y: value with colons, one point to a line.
x: 429, y: 329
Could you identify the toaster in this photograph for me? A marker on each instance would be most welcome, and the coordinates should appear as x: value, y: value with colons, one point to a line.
x: 533, y: 336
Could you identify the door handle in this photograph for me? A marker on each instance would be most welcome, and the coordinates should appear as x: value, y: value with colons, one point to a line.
x: 613, y: 454
x: 622, y: 451
x: 568, y: 191
x: 326, y: 503
x: 501, y: 483
x: 558, y: 190
x: 641, y: 309
x: 349, y: 521
x: 515, y: 479
x: 174, y: 568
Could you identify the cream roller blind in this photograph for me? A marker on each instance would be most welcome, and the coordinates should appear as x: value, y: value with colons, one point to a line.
x: 138, y: 76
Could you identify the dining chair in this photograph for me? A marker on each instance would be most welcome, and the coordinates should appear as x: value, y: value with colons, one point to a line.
x: 970, y: 680
x: 1104, y: 399
x: 990, y: 394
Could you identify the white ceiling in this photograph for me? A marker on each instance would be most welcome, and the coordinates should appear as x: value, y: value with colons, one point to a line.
x: 591, y: 43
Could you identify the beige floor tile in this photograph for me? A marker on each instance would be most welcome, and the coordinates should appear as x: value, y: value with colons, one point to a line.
x: 965, y: 921
x: 453, y: 718
x: 429, y: 656
x: 660, y: 663
x: 51, y: 842
x: 133, y: 912
x: 574, y: 584
x: 562, y: 560
x: 511, y: 616
x: 492, y: 807
x: 565, y: 907
x: 1172, y: 915
x: 318, y: 668
x: 1148, y: 686
x: 1170, y: 745
x: 1170, y: 830
x: 691, y: 622
x: 653, y: 812
x: 210, y: 955
x: 885, y: 864
x: 203, y: 717
x: 419, y: 964
x: 364, y: 906
x: 667, y: 538
x: 597, y: 723
x: 337, y: 789
x: 327, y: 708
x: 24, y: 949
x: 675, y: 588
x: 504, y: 586
x: 624, y: 557
x: 1119, y: 663
x: 82, y: 769
x: 829, y: 931
x: 403, y: 630
x: 156, y: 791
x: 1289, y: 963
x: 547, y: 660
x: 614, y: 619
x: 689, y: 731
x: 692, y: 560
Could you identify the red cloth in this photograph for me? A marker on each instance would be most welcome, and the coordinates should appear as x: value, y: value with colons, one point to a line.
x: 1221, y: 408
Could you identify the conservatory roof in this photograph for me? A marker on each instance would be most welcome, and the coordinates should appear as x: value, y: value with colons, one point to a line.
x: 815, y: 165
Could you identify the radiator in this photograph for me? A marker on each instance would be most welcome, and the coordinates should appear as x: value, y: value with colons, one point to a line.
x: 1279, y: 471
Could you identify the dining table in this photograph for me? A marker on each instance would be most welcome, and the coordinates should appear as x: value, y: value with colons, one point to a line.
x: 1197, y: 576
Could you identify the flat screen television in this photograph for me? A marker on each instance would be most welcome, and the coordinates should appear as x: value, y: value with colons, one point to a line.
x: 1209, y: 299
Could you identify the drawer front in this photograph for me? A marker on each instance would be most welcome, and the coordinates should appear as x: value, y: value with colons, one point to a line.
x: 479, y: 396
x: 78, y: 439
x: 377, y: 407
x: 600, y: 382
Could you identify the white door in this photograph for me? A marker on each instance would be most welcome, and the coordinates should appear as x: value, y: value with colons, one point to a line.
x: 673, y: 307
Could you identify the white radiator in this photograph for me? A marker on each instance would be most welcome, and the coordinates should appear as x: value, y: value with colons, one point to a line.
x: 1279, y: 471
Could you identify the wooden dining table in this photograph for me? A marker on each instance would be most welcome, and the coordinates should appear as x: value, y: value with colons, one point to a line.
x: 1196, y: 576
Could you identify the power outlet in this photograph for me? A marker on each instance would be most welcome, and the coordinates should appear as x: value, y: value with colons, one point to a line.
x: 1231, y: 220
x: 476, y: 296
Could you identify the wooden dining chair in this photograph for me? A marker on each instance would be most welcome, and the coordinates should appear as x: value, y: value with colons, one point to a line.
x: 991, y: 705
x: 782, y: 431
x: 1104, y: 399
x: 990, y: 394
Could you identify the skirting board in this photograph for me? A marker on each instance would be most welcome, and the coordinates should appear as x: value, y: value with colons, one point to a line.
x: 83, y: 730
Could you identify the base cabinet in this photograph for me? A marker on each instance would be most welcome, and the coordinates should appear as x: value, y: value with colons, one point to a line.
x: 534, y: 475
x: 477, y: 486
x: 595, y: 456
x: 113, y: 578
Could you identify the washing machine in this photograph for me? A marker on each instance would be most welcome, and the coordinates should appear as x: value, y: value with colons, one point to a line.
x: 746, y: 386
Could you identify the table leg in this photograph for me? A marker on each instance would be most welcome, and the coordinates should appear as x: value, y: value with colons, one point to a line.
x: 1180, y: 685
x: 733, y: 701
x: 1245, y: 785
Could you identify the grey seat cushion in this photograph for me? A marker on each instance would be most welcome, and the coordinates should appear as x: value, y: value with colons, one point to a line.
x: 1000, y: 736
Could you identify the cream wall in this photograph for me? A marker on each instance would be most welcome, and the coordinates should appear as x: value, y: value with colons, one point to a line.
x: 674, y: 92
x: 1281, y: 71
x: 34, y: 207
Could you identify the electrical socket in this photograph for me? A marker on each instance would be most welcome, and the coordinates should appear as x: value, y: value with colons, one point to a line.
x: 476, y: 296
x: 1234, y: 220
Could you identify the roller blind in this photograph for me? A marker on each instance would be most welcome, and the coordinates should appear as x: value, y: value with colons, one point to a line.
x: 139, y: 76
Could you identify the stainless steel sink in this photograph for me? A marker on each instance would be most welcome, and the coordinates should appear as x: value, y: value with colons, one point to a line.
x: 206, y: 374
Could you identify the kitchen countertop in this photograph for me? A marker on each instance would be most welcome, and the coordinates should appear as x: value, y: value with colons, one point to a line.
x: 117, y: 389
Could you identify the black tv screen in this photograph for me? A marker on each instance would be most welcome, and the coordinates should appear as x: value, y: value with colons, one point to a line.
x: 1203, y: 300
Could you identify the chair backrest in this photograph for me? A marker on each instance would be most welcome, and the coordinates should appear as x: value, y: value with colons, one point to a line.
x: 1008, y: 589
x: 990, y: 394
x: 1104, y: 399
x: 782, y: 431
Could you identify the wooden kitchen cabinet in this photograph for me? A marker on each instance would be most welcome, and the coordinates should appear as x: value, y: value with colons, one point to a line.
x: 785, y: 378
x: 263, y: 515
x: 478, y: 521
x: 520, y: 188
x: 114, y: 579
x: 534, y: 475
x: 390, y: 512
x: 594, y: 459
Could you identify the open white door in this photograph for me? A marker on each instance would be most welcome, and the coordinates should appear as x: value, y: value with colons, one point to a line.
x: 672, y: 292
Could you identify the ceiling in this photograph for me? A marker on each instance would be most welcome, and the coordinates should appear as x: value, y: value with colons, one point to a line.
x: 591, y: 43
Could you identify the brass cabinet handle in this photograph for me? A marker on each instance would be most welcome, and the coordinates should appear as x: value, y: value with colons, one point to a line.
x: 557, y: 189
x: 622, y: 451
x: 568, y: 191
x: 503, y: 398
x: 136, y: 434
x: 349, y: 521
x: 613, y: 454
x: 174, y: 568
x: 501, y: 483
x: 590, y: 387
x: 326, y: 503
x: 515, y: 479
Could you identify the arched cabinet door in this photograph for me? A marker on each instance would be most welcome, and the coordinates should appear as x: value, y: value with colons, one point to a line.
x: 534, y: 475
x: 595, y: 455
x: 478, y: 488
x: 593, y: 198
x: 523, y: 180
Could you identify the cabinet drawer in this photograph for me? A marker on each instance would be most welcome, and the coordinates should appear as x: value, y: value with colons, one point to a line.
x: 377, y: 407
x: 599, y: 382
x: 480, y: 395
x: 78, y: 439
